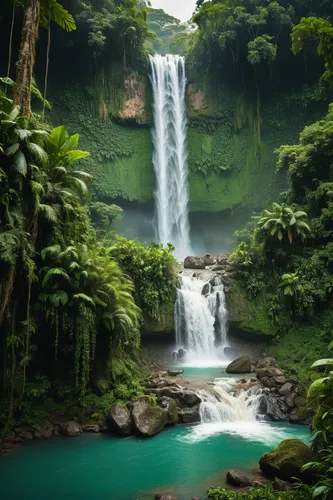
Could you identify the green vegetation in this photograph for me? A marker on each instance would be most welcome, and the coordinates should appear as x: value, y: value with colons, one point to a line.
x: 256, y: 494
x: 70, y: 313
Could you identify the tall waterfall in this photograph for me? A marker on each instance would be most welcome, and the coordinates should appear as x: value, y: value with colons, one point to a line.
x: 170, y: 156
x: 201, y: 321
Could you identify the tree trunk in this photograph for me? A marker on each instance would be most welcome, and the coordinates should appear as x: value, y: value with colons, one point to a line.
x: 27, y: 340
x: 258, y: 110
x: 47, y: 66
x: 26, y: 62
x: 6, y: 294
x: 10, y: 47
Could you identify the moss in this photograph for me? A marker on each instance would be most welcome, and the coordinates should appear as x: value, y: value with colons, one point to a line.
x: 250, y: 316
x: 165, y: 323
x: 287, y: 460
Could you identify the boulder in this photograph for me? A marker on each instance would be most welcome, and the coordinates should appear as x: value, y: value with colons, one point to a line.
x: 170, y: 408
x: 269, y: 371
x: 280, y: 379
x: 190, y: 398
x: 38, y: 435
x: 209, y: 260
x: 237, y: 478
x: 262, y: 363
x: 287, y: 387
x: 119, y: 420
x: 189, y: 415
x: 287, y: 461
x: 274, y: 410
x: 267, y: 382
x: 71, y: 428
x: 174, y: 373
x: 91, y: 428
x: 148, y: 418
x: 240, y: 365
x: 289, y: 399
x: 170, y: 392
x: 194, y: 263
x: 26, y: 436
x: 47, y: 431
x: 280, y: 485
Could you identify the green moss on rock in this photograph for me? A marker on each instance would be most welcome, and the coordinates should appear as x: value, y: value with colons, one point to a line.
x: 287, y: 460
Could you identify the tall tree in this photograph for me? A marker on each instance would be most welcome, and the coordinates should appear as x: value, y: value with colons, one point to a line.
x: 26, y: 62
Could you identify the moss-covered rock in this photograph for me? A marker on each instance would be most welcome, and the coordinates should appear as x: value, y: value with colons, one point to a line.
x: 164, y: 323
x: 240, y: 365
x: 287, y: 460
x: 149, y: 419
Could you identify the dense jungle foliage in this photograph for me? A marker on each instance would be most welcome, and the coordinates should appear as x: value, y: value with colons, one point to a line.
x: 72, y: 293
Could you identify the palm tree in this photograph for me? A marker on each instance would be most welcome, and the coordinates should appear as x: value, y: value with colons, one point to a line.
x: 283, y: 221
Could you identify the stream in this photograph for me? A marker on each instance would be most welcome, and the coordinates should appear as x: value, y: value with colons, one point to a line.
x: 184, y: 460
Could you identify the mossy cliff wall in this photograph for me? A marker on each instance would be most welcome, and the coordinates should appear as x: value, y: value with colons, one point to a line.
x: 228, y: 168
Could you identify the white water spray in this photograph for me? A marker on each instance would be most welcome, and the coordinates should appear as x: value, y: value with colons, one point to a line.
x: 201, y: 321
x: 170, y: 157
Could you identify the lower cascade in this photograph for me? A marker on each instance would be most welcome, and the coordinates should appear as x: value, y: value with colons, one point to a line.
x: 201, y: 321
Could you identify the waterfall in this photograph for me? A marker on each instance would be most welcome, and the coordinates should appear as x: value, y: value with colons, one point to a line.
x: 170, y: 157
x: 201, y: 321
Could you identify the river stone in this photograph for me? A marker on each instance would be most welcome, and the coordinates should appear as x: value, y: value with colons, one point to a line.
x: 209, y: 260
x: 170, y: 392
x: 190, y: 398
x: 267, y: 382
x: 281, y: 379
x: 280, y: 485
x: 189, y: 415
x: 237, y: 478
x: 119, y: 420
x: 269, y: 371
x: 240, y: 365
x: 287, y: 387
x: 47, y: 431
x: 289, y: 399
x: 26, y: 436
x: 91, y: 428
x: 148, y: 418
x: 262, y: 363
x: 174, y: 373
x: 287, y: 461
x: 194, y: 263
x: 71, y: 428
x: 170, y: 408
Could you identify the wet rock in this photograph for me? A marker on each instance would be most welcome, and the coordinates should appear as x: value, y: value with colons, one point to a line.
x: 38, y: 435
x: 269, y: 371
x: 240, y: 365
x: 170, y: 408
x: 209, y: 260
x: 267, y: 382
x: 274, y: 410
x: 206, y: 289
x: 148, y: 418
x: 194, y: 263
x: 170, y: 392
x: 26, y: 436
x: 257, y: 484
x: 71, y: 428
x: 281, y: 380
x: 91, y: 428
x: 287, y: 460
x: 217, y: 267
x: 47, y: 431
x: 289, y: 399
x: 189, y: 415
x: 280, y: 485
x: 287, y: 387
x: 262, y: 363
x: 237, y: 478
x: 190, y: 398
x: 174, y: 373
x: 119, y: 420
x: 181, y: 353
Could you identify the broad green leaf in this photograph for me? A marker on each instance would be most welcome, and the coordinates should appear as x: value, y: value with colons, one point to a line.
x: 323, y: 362
x: 20, y: 163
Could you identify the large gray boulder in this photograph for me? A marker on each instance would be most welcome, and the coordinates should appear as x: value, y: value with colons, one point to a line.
x: 170, y: 408
x: 194, y: 263
x: 189, y: 415
x: 148, y: 418
x: 269, y: 371
x: 237, y: 478
x: 266, y: 362
x: 191, y: 398
x: 71, y: 428
x: 240, y: 365
x: 287, y: 460
x: 119, y: 420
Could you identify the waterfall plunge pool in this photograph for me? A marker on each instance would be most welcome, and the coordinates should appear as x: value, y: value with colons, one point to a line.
x: 184, y: 460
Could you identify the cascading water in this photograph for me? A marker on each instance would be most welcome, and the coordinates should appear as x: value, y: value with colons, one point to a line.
x: 201, y: 321
x: 170, y: 157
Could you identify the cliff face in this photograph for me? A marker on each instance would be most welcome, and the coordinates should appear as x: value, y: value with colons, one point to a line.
x: 228, y: 166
